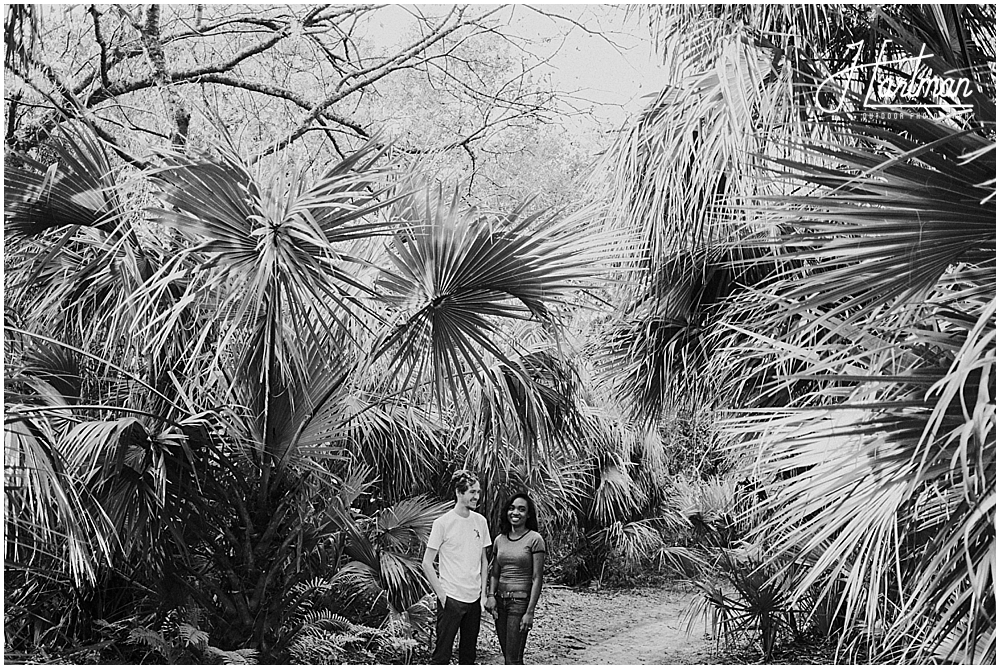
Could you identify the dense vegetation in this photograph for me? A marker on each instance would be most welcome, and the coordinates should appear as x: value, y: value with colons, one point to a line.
x: 241, y: 357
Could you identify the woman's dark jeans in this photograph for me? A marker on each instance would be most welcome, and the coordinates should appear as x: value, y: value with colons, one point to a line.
x: 508, y: 621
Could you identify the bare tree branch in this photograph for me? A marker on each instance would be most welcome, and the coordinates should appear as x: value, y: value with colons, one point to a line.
x: 284, y: 94
x: 238, y: 45
x: 371, y: 75
x: 99, y: 38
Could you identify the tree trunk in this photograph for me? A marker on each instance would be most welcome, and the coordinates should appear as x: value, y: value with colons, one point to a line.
x: 176, y: 107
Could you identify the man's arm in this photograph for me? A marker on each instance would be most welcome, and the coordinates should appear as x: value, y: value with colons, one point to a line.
x: 432, y: 578
x: 484, y: 575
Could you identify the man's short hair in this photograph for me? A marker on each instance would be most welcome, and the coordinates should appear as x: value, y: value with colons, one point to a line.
x: 462, y: 480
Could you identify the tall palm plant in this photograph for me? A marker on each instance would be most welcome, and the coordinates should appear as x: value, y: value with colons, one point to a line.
x: 195, y: 345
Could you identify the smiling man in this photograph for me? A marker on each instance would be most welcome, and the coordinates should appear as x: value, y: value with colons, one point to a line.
x: 458, y: 541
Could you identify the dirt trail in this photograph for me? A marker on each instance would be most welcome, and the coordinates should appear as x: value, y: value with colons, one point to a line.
x: 643, y: 626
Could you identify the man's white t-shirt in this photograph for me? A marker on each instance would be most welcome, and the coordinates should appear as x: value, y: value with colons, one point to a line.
x: 459, y: 543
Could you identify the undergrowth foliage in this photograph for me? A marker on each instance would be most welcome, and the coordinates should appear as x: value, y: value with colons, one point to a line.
x: 752, y: 605
x: 180, y: 640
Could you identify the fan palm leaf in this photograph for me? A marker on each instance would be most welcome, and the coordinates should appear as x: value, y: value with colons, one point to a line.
x: 898, y: 263
x: 81, y: 188
x: 48, y: 519
x: 400, y: 440
x: 73, y: 250
x: 616, y: 496
x: 456, y: 275
x: 632, y: 542
x: 278, y: 236
x: 659, y: 346
x: 384, y: 559
x: 407, y: 523
x: 106, y: 478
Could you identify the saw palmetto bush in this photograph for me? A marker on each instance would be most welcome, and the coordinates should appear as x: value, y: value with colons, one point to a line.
x: 201, y: 353
x: 750, y: 606
x: 850, y: 271
x: 371, y: 606
x: 883, y: 477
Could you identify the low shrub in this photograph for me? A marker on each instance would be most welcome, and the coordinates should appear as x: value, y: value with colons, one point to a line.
x: 751, y: 604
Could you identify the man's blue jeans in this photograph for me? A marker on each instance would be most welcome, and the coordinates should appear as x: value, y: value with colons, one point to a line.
x: 508, y: 621
x: 457, y: 618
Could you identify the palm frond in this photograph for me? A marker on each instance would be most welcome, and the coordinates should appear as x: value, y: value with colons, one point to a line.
x: 408, y: 520
x: 49, y: 516
x: 616, y: 495
x: 399, y: 440
x: 81, y: 188
x: 74, y: 246
x: 456, y: 275
x: 277, y: 236
x: 632, y: 542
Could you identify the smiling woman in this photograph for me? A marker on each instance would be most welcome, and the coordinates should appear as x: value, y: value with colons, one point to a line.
x: 516, y: 575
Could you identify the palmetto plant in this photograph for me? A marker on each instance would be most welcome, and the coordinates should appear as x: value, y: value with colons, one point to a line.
x: 384, y: 551
x: 375, y: 579
x: 861, y: 333
x: 885, y: 471
x: 752, y: 606
x: 203, y: 328
x: 71, y: 253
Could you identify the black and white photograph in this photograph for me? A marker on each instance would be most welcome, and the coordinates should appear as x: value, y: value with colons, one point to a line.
x: 550, y: 333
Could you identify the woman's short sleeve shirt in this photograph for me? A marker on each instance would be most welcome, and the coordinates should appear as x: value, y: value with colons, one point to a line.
x: 515, y: 560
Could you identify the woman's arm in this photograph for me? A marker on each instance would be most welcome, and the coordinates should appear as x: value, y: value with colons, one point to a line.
x: 537, y: 567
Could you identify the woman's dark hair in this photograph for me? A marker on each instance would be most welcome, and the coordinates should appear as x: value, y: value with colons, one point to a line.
x: 531, y: 522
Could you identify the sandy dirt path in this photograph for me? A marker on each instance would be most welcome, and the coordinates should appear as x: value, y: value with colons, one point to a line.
x: 641, y: 626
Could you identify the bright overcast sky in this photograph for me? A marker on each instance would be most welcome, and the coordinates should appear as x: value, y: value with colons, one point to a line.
x: 613, y: 66
x: 607, y: 61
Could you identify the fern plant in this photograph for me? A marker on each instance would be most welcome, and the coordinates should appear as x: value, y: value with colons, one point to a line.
x: 324, y: 637
x: 314, y: 633
x: 180, y: 640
